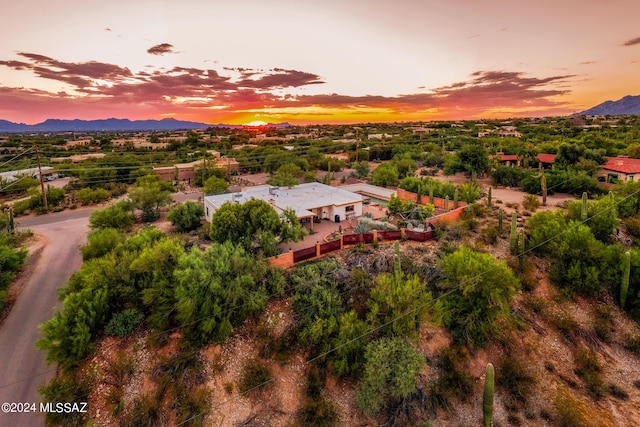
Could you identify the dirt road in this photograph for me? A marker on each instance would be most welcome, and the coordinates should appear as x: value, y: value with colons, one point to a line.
x: 23, y: 366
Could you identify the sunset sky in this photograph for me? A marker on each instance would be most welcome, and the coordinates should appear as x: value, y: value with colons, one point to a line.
x: 330, y: 61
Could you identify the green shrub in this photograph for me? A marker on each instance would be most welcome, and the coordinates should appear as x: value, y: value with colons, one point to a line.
x: 119, y: 216
x: 100, y: 243
x: 186, y: 216
x: 88, y: 195
x: 485, y: 287
x: 390, y: 372
x: 124, y: 323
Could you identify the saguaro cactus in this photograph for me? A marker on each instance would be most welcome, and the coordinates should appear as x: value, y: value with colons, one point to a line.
x: 500, y: 215
x: 626, y: 272
x: 487, y: 398
x: 489, y: 197
x: 583, y: 210
x: 455, y: 199
x: 514, y: 237
x: 446, y: 203
x: 543, y: 185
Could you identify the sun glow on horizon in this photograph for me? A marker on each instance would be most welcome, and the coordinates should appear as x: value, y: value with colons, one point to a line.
x: 257, y: 123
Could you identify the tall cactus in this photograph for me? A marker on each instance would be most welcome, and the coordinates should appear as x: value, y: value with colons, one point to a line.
x: 500, y: 215
x: 543, y: 185
x: 455, y: 199
x: 514, y: 237
x: 583, y: 211
x: 446, y: 203
x: 489, y: 197
x: 487, y: 398
x: 626, y: 272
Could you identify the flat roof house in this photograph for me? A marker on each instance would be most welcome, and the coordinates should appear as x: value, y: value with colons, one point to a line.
x: 307, y: 200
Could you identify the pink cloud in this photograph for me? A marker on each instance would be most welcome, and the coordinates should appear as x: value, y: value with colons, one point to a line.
x: 108, y: 89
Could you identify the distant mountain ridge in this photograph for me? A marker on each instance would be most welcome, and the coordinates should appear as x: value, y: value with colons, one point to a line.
x: 628, y: 105
x: 113, y: 125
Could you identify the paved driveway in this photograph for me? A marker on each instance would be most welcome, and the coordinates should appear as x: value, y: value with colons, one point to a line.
x: 23, y: 366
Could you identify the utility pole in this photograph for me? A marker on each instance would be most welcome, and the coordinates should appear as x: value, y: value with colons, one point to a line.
x: 44, y: 194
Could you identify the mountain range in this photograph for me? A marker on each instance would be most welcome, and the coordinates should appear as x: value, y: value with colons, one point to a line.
x: 627, y: 105
x: 113, y: 125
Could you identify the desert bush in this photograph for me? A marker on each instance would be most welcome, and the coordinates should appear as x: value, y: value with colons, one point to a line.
x: 124, y: 323
x: 66, y: 387
x: 602, y: 323
x: 144, y: 411
x: 192, y: 406
x: 566, y: 325
x: 390, y: 372
x: 530, y: 202
x: 453, y: 382
x: 119, y: 370
x: 516, y: 378
x: 588, y: 367
x: 255, y: 375
x: 489, y: 235
x: 569, y: 411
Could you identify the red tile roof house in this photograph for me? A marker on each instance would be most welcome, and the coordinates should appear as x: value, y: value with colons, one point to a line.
x: 546, y: 160
x: 619, y: 169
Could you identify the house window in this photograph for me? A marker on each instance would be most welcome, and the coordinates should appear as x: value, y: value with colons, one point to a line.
x: 350, y: 208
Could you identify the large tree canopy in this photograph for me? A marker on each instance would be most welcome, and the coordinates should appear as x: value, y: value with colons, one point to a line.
x: 255, y: 225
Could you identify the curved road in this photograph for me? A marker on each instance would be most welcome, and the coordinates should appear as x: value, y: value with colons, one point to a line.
x: 23, y: 366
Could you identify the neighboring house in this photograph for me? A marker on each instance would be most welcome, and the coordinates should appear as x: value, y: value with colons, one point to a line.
x: 11, y: 176
x: 186, y: 172
x: 619, y: 169
x: 309, y: 201
x: 546, y: 160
